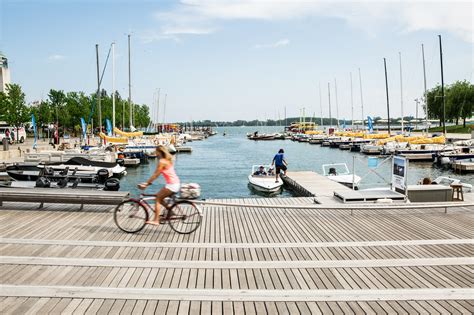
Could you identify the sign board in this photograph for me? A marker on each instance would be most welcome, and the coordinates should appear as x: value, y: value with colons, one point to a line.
x: 399, y: 174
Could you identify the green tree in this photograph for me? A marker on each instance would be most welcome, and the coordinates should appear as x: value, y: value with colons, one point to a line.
x: 16, y: 111
x: 434, y: 102
x: 459, y: 100
x: 57, y: 101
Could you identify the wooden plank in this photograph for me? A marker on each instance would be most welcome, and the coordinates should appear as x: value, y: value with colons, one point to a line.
x: 237, y: 295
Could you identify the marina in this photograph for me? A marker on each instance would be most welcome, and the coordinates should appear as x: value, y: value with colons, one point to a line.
x: 227, y: 157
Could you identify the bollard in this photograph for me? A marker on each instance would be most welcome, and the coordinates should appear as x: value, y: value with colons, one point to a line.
x: 5, y: 144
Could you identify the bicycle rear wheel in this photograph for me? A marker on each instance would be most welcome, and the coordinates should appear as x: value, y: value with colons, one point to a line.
x: 130, y: 216
x: 185, y: 217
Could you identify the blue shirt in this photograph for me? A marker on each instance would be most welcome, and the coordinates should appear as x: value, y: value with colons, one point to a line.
x: 278, y: 159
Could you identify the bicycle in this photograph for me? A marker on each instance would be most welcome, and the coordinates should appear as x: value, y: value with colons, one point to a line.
x: 183, y: 215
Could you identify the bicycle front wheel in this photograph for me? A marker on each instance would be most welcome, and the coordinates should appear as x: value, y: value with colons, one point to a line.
x: 130, y: 216
x: 185, y: 217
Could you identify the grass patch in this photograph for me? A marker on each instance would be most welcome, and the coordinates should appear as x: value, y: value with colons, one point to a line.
x: 454, y: 129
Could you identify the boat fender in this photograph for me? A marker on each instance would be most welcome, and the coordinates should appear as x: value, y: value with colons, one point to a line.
x: 43, y: 182
x: 62, y: 183
x: 112, y: 184
x: 102, y: 175
x: 120, y: 162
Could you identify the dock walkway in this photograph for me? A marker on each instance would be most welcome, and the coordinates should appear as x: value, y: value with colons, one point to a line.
x: 312, y: 184
x: 240, y: 261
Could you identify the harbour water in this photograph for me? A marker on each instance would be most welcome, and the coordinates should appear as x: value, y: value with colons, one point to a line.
x: 221, y: 164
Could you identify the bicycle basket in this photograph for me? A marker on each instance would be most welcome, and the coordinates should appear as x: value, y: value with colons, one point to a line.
x: 190, y: 191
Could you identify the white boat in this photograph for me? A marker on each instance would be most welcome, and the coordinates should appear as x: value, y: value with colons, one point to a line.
x: 339, y: 172
x: 266, y: 182
x: 448, y: 181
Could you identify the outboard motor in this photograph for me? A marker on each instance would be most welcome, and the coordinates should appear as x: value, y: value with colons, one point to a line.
x: 48, y: 171
x: 43, y: 182
x: 102, y: 175
x: 120, y: 162
x: 112, y: 184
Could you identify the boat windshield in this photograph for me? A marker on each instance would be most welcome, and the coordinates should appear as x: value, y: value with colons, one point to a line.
x: 335, y: 169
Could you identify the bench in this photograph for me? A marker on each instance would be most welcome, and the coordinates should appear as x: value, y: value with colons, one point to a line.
x: 67, y: 196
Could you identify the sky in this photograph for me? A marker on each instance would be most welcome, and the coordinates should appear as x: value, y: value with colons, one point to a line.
x: 249, y: 59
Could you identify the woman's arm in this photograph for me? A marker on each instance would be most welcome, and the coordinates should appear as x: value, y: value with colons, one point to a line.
x: 154, y: 176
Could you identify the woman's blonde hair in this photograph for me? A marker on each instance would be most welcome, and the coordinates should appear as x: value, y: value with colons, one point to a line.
x: 164, y: 153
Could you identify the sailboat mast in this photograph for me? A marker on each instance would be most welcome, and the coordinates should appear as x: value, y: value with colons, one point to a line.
x: 442, y: 85
x: 158, y: 109
x: 337, y: 104
x: 321, y: 104
x: 386, y: 90
x: 329, y: 99
x: 361, y: 100
x: 98, y: 87
x: 113, y: 85
x: 130, y: 84
x: 164, y: 109
x: 424, y: 86
x: 352, y: 102
x: 401, y: 88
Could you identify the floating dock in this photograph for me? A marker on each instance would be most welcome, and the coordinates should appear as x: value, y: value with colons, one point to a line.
x: 463, y: 167
x: 241, y: 260
x: 312, y: 184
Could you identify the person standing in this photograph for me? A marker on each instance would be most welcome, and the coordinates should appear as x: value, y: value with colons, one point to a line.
x: 280, y: 163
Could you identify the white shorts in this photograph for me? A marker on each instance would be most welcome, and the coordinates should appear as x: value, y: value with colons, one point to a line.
x: 173, y: 187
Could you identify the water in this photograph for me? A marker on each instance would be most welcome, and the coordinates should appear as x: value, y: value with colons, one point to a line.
x: 221, y: 164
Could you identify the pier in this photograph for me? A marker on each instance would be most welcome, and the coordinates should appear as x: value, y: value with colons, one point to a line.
x: 312, y: 184
x: 241, y: 260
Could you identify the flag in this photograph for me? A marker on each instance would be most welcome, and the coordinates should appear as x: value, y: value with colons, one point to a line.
x: 369, y: 124
x: 33, y: 123
x: 108, y: 125
x: 84, y: 127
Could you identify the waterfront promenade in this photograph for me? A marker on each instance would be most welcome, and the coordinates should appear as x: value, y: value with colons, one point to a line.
x: 242, y: 260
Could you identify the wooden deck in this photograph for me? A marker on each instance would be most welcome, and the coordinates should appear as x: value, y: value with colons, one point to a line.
x: 308, y: 184
x: 240, y: 261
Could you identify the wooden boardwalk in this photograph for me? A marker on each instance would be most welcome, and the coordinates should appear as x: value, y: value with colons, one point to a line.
x: 240, y: 261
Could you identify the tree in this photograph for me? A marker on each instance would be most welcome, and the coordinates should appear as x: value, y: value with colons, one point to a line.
x: 16, y: 111
x: 460, y: 99
x: 434, y: 101
x: 57, y: 100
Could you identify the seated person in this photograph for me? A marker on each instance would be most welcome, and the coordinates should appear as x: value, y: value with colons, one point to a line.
x: 260, y: 171
x: 427, y: 181
x: 332, y: 171
x: 271, y: 171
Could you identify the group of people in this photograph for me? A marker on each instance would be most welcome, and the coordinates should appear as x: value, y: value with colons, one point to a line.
x: 10, y: 135
x: 278, y: 162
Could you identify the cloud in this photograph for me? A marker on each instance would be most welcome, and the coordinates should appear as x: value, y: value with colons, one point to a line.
x: 280, y: 43
x: 370, y: 16
x: 56, y: 57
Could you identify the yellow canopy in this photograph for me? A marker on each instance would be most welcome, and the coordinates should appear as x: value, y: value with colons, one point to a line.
x: 113, y: 139
x: 128, y: 134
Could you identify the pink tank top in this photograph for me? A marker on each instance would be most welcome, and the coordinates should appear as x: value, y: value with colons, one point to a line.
x: 170, y: 175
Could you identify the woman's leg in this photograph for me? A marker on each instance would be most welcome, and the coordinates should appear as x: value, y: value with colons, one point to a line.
x: 160, y: 197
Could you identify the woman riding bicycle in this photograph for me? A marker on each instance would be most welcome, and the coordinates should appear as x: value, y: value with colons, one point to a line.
x: 165, y: 167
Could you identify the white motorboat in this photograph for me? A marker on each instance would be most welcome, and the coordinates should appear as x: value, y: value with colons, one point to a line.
x: 339, y: 172
x: 264, y: 181
x: 448, y: 181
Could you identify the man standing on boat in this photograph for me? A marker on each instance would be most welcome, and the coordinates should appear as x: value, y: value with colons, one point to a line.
x: 280, y: 164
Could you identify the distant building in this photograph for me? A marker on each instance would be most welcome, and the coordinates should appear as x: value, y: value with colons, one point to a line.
x: 4, y: 72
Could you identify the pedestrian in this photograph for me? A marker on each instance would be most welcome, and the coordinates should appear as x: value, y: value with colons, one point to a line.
x: 7, y: 135
x: 280, y: 164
